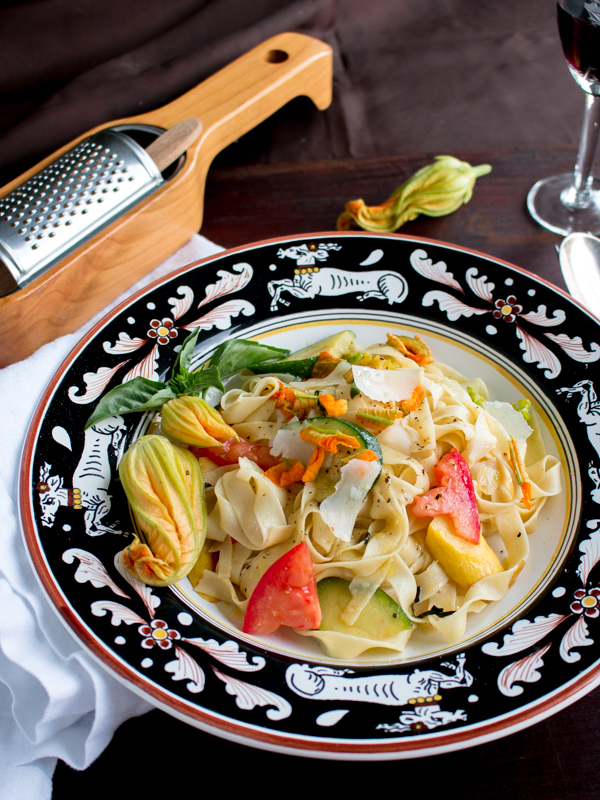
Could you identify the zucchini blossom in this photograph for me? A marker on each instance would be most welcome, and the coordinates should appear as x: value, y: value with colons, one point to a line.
x: 191, y: 420
x: 165, y: 489
x: 437, y: 189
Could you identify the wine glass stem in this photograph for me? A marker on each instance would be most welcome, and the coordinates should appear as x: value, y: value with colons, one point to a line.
x: 579, y: 195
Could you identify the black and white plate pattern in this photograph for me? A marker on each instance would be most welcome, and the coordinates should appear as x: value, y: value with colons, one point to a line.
x: 525, y: 660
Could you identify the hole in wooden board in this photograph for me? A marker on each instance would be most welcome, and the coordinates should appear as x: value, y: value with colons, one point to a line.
x: 277, y: 56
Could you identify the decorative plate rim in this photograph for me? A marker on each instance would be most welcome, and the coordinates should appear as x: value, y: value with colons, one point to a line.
x: 470, y: 734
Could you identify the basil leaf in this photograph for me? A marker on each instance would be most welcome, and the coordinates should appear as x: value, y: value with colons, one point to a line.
x: 156, y: 401
x: 235, y: 354
x: 301, y: 369
x: 202, y: 379
x: 139, y: 394
x: 185, y: 355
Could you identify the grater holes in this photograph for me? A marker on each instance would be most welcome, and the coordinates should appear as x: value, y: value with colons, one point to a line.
x: 61, y: 194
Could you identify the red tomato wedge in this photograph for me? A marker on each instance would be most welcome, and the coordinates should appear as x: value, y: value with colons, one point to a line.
x: 455, y: 496
x: 285, y: 595
x: 230, y: 451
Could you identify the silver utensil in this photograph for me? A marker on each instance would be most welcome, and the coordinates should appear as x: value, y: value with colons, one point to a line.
x: 81, y: 193
x: 579, y: 256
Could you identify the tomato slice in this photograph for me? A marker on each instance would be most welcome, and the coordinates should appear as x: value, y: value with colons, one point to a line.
x: 230, y: 451
x: 285, y: 595
x: 455, y: 496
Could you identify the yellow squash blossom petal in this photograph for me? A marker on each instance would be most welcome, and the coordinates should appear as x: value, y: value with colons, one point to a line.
x: 191, y: 420
x: 437, y: 189
x: 165, y: 489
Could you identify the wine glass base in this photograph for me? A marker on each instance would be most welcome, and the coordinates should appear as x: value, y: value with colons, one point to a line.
x: 545, y: 206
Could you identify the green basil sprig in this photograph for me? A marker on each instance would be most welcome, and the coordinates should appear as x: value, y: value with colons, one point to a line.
x: 142, y: 394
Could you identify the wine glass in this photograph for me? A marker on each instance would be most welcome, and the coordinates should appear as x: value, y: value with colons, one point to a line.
x: 571, y: 202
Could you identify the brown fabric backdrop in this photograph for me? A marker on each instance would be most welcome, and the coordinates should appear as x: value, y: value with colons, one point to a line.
x: 410, y: 75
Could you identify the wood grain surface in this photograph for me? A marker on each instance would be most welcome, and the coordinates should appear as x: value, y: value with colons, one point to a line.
x: 247, y: 204
x: 556, y: 759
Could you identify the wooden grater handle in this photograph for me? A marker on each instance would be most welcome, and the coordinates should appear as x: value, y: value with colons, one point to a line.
x: 250, y: 89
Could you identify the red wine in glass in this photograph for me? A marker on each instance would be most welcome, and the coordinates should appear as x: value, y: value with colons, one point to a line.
x: 571, y: 202
x: 580, y: 37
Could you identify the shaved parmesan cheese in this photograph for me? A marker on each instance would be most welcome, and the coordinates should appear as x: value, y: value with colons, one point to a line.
x: 287, y: 443
x: 511, y: 420
x: 387, y: 385
x: 340, y: 509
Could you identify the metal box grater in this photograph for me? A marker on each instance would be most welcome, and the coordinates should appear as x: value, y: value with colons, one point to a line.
x: 69, y: 201
x: 58, y: 286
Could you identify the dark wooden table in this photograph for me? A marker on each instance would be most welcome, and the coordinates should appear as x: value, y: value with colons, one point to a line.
x: 248, y: 204
x: 557, y: 758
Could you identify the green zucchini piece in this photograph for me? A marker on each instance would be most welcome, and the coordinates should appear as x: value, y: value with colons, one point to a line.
x: 337, y: 345
x: 301, y: 363
x: 381, y: 619
x: 329, y: 476
x: 334, y: 425
x: 300, y: 368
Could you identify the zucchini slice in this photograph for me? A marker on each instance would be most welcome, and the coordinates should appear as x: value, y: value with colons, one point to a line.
x: 338, y: 345
x: 330, y: 474
x: 301, y: 363
x: 382, y: 618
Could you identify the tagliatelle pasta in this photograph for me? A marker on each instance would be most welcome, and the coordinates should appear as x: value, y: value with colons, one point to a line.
x: 355, y: 514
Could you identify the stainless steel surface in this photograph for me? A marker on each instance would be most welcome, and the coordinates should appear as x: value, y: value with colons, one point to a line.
x: 69, y: 201
x: 580, y: 264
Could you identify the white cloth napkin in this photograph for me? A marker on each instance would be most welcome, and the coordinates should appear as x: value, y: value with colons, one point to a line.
x: 55, y: 700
